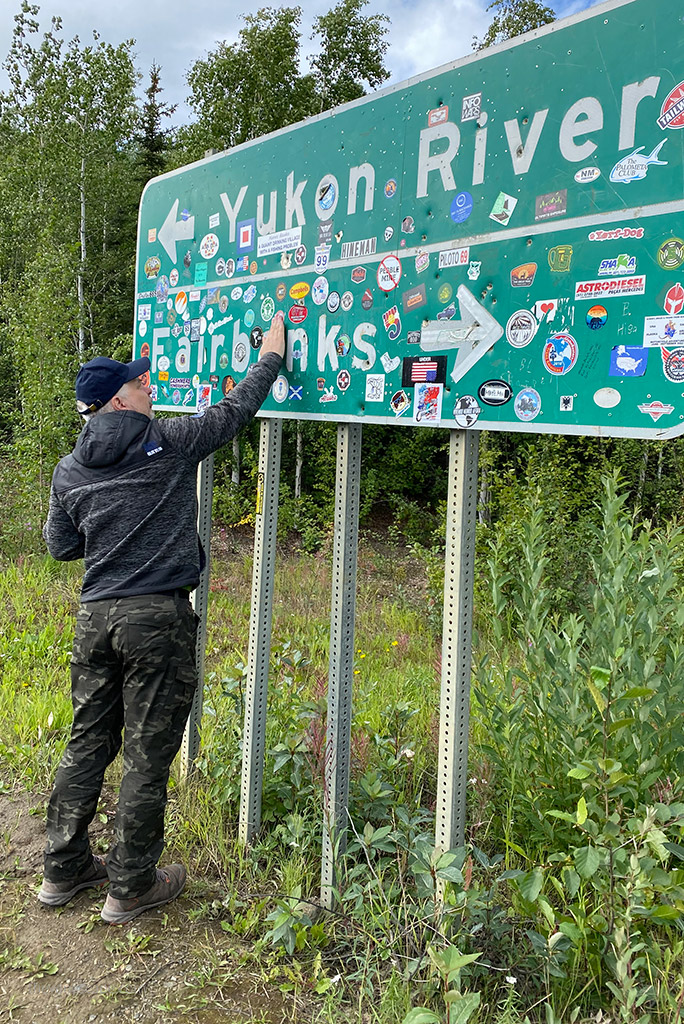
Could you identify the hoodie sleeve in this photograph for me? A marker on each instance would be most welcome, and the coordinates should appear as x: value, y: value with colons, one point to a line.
x: 63, y: 540
x: 195, y: 437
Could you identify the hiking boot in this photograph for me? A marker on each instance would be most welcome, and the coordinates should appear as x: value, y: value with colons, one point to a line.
x: 56, y: 894
x: 169, y: 884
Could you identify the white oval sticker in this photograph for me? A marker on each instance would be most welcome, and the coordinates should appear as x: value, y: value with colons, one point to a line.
x: 607, y: 398
x: 587, y: 174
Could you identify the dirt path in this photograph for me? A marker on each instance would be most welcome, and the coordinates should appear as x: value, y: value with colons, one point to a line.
x: 65, y: 966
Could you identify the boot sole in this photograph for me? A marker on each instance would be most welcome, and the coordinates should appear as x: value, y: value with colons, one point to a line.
x: 58, y: 899
x: 124, y: 916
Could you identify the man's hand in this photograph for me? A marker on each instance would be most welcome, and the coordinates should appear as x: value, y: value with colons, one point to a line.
x: 274, y: 339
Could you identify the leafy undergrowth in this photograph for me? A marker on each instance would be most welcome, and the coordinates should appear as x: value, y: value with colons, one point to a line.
x: 566, y: 903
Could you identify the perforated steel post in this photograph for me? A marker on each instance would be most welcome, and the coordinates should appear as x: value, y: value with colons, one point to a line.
x: 454, y: 712
x: 259, y: 651
x: 341, y: 667
x: 200, y: 602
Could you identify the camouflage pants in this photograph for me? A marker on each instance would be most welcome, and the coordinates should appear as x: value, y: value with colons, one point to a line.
x: 132, y: 669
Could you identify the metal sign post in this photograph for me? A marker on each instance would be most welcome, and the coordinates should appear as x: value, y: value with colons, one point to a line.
x: 341, y: 667
x: 200, y: 602
x: 454, y: 712
x: 259, y: 650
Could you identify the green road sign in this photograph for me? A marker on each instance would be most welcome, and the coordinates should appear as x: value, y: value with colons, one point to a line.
x: 498, y: 244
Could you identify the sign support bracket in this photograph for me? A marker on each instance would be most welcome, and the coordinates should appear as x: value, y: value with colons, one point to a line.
x: 341, y: 667
x: 259, y: 648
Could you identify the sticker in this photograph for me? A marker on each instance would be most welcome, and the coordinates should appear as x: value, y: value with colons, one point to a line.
x: 587, y: 174
x: 220, y: 268
x: 253, y: 267
x: 194, y: 295
x: 613, y: 233
x: 413, y: 338
x: 204, y: 398
x: 195, y: 329
x: 427, y: 403
x: 281, y: 291
x: 466, y: 410
x: 566, y: 403
x: 399, y: 402
x: 158, y: 316
x: 358, y: 275
x: 663, y: 330
x: 596, y: 317
x: 553, y: 204
x: 285, y: 260
x: 375, y: 387
x: 342, y: 345
x: 628, y: 362
x: 445, y: 292
x: 343, y: 380
x: 235, y: 294
x: 656, y: 409
x: 560, y: 258
x: 256, y: 336
x: 214, y: 220
x: 181, y: 303
x: 152, y: 235
x: 392, y: 323
x: 622, y: 263
x: 408, y: 225
x: 230, y: 268
x: 295, y: 392
x: 414, y: 298
x: 299, y: 290
x: 389, y: 273
x: 250, y: 293
x: 672, y: 110
x: 461, y: 207
x: 173, y: 277
x: 145, y: 311
x: 607, y: 398
x: 328, y: 395
x: 223, y: 360
x: 471, y: 107
x: 495, y: 392
x: 142, y: 328
x: 560, y: 353
x: 319, y: 290
x: 454, y: 258
x: 245, y: 236
x: 280, y: 388
x: 325, y: 232
x: 327, y: 196
x: 610, y: 287
x: 670, y: 254
x: 437, y: 116
x: 389, y: 232
x: 152, y: 267
x: 422, y: 262
x: 527, y: 405
x: 503, y: 208
x: 673, y: 364
x: 674, y: 300
x: 545, y: 310
x: 161, y: 292
x: 321, y: 257
x: 367, y: 299
x: 333, y: 302
x: 416, y: 369
x: 389, y: 364
x: 346, y: 301
x: 163, y: 363
x: 448, y: 313
x: 298, y: 314
x: 300, y: 255
x: 175, y: 397
x: 227, y: 384
x: 209, y: 246
x: 390, y: 188
x: 474, y: 270
x: 523, y: 276
x: 223, y: 304
x: 635, y: 166
x: 189, y: 396
x: 267, y: 310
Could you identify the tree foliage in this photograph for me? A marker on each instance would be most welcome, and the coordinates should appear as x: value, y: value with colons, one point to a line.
x: 513, y: 18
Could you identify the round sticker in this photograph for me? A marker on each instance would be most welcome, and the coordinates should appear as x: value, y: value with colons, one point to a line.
x: 173, y: 277
x: 672, y: 110
x: 280, y: 388
x: 560, y: 353
x: 223, y: 360
x: 342, y: 345
x: 181, y: 302
x: 182, y: 360
x: 152, y: 267
x: 596, y: 317
x: 267, y: 309
x: 607, y: 398
x: 521, y: 328
x: 333, y: 302
x: 671, y: 254
x: 299, y: 291
x: 527, y: 404
x: 327, y: 194
x: 466, y: 411
x: 347, y: 301
x: 209, y: 246
x: 176, y: 396
x: 142, y: 328
x: 249, y: 318
x: 445, y: 292
x: 223, y: 303
x: 319, y: 290
x: 461, y: 207
x: 673, y: 364
x: 495, y: 392
x: 236, y: 293
x: 220, y: 267
x: 298, y: 314
x: 253, y: 267
x: 390, y: 188
x: 163, y: 363
x: 230, y: 268
x: 195, y: 380
x: 389, y: 273
x: 280, y: 292
x: 256, y: 336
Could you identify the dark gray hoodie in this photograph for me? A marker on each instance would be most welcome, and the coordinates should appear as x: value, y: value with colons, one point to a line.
x: 125, y: 499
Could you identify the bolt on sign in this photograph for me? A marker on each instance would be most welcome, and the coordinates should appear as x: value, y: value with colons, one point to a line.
x: 496, y: 245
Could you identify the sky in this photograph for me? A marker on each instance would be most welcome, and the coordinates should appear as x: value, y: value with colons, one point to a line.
x: 423, y: 34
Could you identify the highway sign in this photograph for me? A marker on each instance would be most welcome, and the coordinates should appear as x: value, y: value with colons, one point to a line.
x: 498, y: 244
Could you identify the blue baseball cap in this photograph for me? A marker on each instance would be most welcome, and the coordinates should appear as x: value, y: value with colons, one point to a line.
x: 99, y: 380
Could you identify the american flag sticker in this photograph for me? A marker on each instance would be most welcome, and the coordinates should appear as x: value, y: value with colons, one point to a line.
x: 423, y: 369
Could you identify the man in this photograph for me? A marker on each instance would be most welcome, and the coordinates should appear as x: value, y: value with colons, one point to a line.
x: 125, y: 501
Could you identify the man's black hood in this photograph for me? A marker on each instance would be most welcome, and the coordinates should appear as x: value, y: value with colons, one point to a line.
x: 106, y: 438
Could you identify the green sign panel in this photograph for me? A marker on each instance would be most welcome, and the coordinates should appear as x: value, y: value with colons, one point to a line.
x: 497, y: 245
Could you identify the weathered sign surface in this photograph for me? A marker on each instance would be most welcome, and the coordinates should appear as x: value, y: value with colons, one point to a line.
x: 498, y: 244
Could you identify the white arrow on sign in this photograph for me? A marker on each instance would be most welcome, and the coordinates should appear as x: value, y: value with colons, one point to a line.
x: 173, y: 231
x: 473, y: 335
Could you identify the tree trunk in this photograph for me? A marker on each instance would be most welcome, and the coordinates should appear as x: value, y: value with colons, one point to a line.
x: 299, y: 461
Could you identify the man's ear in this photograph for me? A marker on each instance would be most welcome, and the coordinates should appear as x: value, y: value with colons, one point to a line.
x: 119, y: 403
